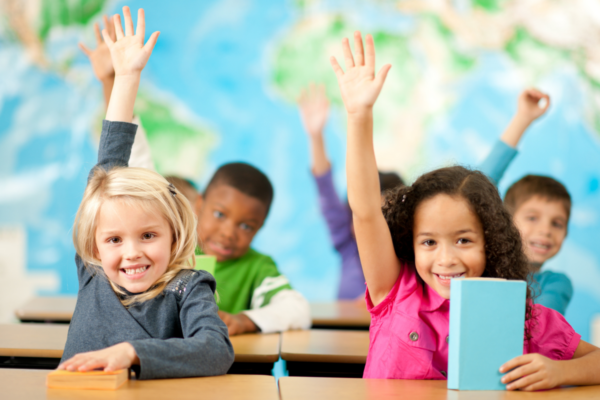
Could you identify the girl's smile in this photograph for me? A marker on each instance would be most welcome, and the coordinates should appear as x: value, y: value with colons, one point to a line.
x: 133, y: 244
x: 448, y: 242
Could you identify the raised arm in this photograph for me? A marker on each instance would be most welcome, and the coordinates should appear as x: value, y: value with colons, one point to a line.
x: 502, y: 154
x: 129, y: 56
x: 360, y: 88
x: 314, y: 109
x: 100, y: 58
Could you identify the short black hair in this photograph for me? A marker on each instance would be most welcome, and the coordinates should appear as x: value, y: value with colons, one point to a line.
x: 245, y: 178
x: 389, y: 180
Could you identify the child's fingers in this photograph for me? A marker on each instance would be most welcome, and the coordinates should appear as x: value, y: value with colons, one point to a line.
x: 358, y: 49
x: 107, y: 39
x: 128, y: 21
x: 515, y: 362
x: 92, y: 364
x: 383, y: 72
x: 109, y: 27
x: 141, y: 24
x: 370, y: 52
x: 525, y: 381
x: 98, y: 35
x: 348, y: 59
x: 84, y: 49
x: 546, y: 103
x: 149, y: 46
x: 118, y: 28
x: 336, y: 68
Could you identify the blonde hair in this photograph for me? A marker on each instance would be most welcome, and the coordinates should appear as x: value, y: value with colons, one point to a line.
x: 152, y: 192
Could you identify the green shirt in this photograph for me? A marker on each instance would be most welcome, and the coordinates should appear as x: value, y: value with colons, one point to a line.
x: 248, y: 282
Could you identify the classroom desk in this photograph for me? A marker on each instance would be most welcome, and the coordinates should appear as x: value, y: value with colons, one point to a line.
x: 342, y: 314
x: 255, y: 353
x: 293, y: 388
x: 31, y: 384
x: 32, y: 345
x: 41, y: 346
x: 47, y: 309
x: 324, y: 352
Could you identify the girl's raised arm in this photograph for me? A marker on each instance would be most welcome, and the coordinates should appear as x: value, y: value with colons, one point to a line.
x: 360, y: 88
x: 129, y: 57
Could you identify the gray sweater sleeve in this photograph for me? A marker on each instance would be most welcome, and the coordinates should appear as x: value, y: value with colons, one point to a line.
x: 114, y: 150
x: 205, y: 348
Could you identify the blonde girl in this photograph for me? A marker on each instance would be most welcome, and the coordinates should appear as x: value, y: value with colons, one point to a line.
x: 140, y: 302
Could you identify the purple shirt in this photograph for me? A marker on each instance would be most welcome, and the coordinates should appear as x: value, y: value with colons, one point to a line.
x: 412, y: 306
x: 339, y: 221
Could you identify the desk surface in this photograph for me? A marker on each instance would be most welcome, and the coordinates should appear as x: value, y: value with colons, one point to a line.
x: 31, y: 384
x: 47, y: 309
x: 292, y: 388
x: 256, y: 347
x: 340, y: 313
x: 320, y: 345
x: 43, y: 340
x: 32, y: 340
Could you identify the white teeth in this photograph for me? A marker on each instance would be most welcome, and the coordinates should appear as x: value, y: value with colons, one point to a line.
x: 540, y: 246
x: 133, y: 271
x: 451, y: 276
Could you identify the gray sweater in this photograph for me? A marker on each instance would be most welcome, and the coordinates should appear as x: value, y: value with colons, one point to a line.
x: 176, y: 334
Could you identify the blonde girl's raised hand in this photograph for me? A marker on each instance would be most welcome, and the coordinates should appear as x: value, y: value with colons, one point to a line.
x: 129, y: 57
x: 314, y: 110
x: 128, y: 52
x: 359, y: 85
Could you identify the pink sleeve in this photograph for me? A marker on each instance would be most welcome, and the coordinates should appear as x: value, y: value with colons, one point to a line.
x: 552, y: 336
x: 404, y: 286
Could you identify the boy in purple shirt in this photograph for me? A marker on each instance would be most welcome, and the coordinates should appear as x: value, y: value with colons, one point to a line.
x: 314, y: 109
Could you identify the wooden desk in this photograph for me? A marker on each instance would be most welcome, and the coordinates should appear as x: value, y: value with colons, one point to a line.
x: 355, y: 389
x: 31, y: 384
x: 32, y: 345
x: 340, y: 315
x: 323, y: 352
x: 41, y: 346
x: 47, y: 309
x: 255, y: 353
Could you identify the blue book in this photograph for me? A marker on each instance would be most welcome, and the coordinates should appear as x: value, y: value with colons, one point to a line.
x: 487, y: 322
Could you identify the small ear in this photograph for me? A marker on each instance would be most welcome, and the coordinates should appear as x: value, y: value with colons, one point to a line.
x: 198, y: 204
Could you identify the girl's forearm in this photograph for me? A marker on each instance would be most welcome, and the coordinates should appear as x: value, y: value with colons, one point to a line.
x: 320, y: 162
x: 515, y: 130
x: 361, y: 167
x: 582, y: 371
x: 122, y: 98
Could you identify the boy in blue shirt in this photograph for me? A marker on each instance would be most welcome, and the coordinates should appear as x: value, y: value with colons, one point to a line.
x: 540, y: 205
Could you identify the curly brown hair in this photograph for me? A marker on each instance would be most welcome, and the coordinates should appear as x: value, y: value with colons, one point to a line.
x: 504, y: 257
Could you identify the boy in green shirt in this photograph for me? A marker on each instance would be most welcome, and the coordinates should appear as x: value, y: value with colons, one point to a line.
x: 253, y: 295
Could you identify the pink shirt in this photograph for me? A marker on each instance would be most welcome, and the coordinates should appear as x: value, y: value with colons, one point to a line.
x: 409, y: 332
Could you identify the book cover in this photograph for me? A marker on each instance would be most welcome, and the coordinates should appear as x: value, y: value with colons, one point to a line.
x: 487, y: 322
x: 87, y: 380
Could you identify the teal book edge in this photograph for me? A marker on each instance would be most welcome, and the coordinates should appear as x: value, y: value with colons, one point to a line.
x: 487, y: 322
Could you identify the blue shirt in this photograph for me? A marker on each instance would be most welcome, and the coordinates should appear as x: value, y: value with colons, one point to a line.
x: 551, y: 289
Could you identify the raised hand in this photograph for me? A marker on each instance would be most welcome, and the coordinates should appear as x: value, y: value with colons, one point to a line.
x: 528, y: 105
x: 314, y: 109
x: 100, y: 56
x: 359, y: 85
x: 128, y: 52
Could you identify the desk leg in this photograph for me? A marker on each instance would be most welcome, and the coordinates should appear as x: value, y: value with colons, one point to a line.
x: 29, y: 362
x: 320, y: 369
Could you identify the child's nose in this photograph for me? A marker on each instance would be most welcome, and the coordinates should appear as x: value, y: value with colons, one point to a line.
x: 445, y: 256
x: 227, y: 230
x: 133, y: 251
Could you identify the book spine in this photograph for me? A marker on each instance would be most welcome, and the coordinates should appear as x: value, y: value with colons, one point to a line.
x: 454, y: 333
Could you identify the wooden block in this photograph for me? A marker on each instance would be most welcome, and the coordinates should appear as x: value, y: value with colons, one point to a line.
x: 98, y: 380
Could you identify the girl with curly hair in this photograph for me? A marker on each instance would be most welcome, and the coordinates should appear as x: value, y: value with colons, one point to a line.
x: 449, y: 224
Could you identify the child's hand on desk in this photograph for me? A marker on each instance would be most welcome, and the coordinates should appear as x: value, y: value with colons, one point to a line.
x: 531, y: 372
x: 112, y: 358
x: 529, y: 107
x: 237, y: 323
x: 100, y: 57
x: 314, y: 109
x: 129, y: 54
x: 359, y: 85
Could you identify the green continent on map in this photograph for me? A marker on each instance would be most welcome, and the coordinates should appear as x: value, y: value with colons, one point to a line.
x: 55, y: 13
x: 179, y: 145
